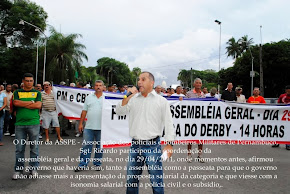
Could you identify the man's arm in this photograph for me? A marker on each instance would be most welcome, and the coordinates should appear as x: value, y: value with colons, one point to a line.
x: 83, y: 116
x: 122, y: 107
x: 4, y: 103
x: 35, y: 105
x: 20, y: 103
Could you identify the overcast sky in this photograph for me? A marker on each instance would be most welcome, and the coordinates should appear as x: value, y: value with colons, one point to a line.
x: 164, y: 36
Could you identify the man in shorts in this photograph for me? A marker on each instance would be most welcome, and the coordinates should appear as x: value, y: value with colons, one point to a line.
x: 49, y: 114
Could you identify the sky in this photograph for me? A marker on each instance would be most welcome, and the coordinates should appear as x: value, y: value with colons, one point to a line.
x: 165, y: 36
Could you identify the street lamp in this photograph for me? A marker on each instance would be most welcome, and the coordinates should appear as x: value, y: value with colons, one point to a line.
x: 252, y: 73
x: 220, y: 24
x: 191, y: 78
x: 22, y: 22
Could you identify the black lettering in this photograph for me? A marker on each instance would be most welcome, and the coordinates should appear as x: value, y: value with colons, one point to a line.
x: 186, y: 129
x: 193, y: 131
x: 172, y: 110
x: 178, y: 133
x: 58, y: 94
x: 275, y: 131
x: 227, y: 112
x: 177, y: 111
x: 209, y: 128
x: 209, y: 113
x: 275, y: 116
x: 84, y: 98
x: 256, y: 131
x: 218, y: 114
x: 71, y: 98
x: 215, y: 130
x: 262, y: 131
x: 78, y: 97
x: 203, y: 115
x: 234, y: 113
x: 190, y: 112
x: 222, y: 132
x: 183, y: 111
x: 251, y: 115
x: 239, y: 112
x: 202, y: 130
x: 113, y: 112
x: 269, y: 131
x: 197, y: 112
x: 281, y: 131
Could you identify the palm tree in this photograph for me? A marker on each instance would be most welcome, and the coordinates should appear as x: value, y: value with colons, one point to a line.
x: 64, y: 55
x: 233, y: 49
x: 184, y: 76
x: 245, y: 43
x: 136, y: 72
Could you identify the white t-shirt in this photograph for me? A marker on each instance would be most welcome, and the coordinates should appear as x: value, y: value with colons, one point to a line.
x: 215, y: 96
x: 175, y: 94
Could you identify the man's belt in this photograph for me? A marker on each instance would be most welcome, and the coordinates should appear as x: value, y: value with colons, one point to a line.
x: 145, y: 142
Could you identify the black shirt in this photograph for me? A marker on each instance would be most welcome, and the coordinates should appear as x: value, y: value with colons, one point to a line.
x: 230, y: 96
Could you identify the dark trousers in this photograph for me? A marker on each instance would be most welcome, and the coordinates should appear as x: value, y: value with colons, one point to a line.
x: 12, y: 124
x: 6, y: 121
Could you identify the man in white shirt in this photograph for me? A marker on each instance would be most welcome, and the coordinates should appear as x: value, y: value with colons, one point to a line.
x: 178, y: 91
x: 212, y: 93
x: 240, y: 97
x: 92, y: 133
x: 148, y: 114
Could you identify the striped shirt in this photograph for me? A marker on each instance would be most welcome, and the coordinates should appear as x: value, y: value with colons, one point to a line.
x: 48, y: 101
x: 194, y: 94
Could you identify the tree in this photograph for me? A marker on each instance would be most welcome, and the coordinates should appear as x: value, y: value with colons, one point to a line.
x: 233, y: 49
x: 184, y: 76
x: 136, y: 72
x: 17, y: 46
x: 245, y: 43
x: 11, y: 32
x: 115, y: 71
x: 64, y: 56
x: 276, y: 67
x: 236, y: 48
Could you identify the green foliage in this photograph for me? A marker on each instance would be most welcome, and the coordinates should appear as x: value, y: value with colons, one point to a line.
x: 276, y: 60
x: 135, y: 74
x: 236, y: 48
x: 114, y: 71
x: 14, y: 63
x: 209, y: 77
x: 64, y: 56
x: 11, y: 32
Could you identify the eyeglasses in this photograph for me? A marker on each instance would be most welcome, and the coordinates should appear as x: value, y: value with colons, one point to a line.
x: 28, y: 80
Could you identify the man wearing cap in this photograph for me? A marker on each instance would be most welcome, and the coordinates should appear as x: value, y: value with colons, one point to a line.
x: 49, y: 114
x: 240, y: 97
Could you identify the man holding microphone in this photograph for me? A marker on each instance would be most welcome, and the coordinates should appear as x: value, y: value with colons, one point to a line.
x: 148, y: 114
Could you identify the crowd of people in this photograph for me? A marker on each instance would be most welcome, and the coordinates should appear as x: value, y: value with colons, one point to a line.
x: 31, y: 111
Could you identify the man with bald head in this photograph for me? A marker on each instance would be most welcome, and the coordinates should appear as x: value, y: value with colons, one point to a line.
x: 148, y: 114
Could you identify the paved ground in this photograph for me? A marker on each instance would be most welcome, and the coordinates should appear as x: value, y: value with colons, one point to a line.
x: 232, y: 182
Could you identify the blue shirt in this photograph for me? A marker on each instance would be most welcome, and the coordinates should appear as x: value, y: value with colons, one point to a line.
x: 93, y: 105
x: 2, y: 96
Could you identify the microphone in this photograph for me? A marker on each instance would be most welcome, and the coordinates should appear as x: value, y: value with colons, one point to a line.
x: 129, y: 93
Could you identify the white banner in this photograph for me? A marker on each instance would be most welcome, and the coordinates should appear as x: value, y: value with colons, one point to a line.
x: 202, y: 121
